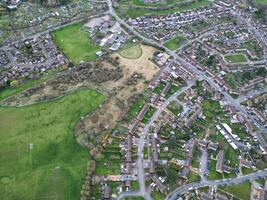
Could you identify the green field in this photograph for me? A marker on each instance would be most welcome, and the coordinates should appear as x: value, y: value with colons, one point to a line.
x: 4, y: 21
x: 125, y: 9
x: 241, y: 191
x: 175, y: 108
x: 75, y: 43
x: 133, y: 52
x: 39, y: 156
x: 175, y: 43
x: 261, y: 1
x: 235, y: 58
x: 163, y: 3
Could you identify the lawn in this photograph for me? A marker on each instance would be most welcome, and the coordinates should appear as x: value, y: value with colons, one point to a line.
x: 175, y: 43
x: 261, y: 1
x: 133, y: 52
x: 159, y: 87
x: 39, y: 155
x: 149, y: 114
x: 175, y: 108
x: 136, y: 107
x: 235, y: 58
x: 193, y: 177
x: 75, y: 43
x: 241, y: 191
x: 4, y: 21
x: 156, y: 195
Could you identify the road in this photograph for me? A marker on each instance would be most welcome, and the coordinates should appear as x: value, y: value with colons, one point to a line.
x: 251, y: 94
x: 238, y: 180
x: 201, y: 75
x: 182, y: 61
x: 140, y: 162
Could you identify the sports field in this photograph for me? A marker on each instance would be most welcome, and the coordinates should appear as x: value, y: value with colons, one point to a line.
x: 75, y: 43
x: 133, y: 52
x: 39, y: 156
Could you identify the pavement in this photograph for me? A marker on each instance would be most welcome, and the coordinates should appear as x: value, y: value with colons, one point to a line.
x: 227, y: 97
x: 222, y: 182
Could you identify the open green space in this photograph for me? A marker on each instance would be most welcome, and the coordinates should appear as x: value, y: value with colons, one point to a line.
x: 133, y: 52
x: 163, y: 3
x: 247, y: 170
x: 213, y: 174
x: 175, y: 42
x: 4, y: 21
x: 241, y: 191
x: 9, y: 91
x: 175, y: 108
x: 235, y: 58
x: 126, y: 10
x: 157, y: 195
x: 75, y: 43
x: 193, y: 177
x: 39, y: 155
x: 261, y: 1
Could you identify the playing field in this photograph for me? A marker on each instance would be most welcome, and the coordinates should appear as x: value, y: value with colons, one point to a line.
x: 235, y: 58
x: 39, y: 156
x: 133, y: 52
x: 75, y: 43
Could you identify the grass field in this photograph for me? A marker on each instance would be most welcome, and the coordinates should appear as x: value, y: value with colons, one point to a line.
x: 39, y: 156
x: 164, y: 3
x: 175, y: 43
x: 236, y: 58
x: 261, y: 1
x: 241, y: 191
x: 125, y: 11
x: 4, y: 21
x: 133, y: 52
x: 175, y: 108
x: 75, y: 43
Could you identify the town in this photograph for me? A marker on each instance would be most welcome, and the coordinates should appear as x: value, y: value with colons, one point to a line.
x: 140, y: 99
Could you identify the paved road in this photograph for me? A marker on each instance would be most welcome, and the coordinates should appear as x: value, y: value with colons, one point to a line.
x: 203, y: 164
x: 201, y: 75
x: 238, y: 180
x: 251, y: 94
x: 140, y: 162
